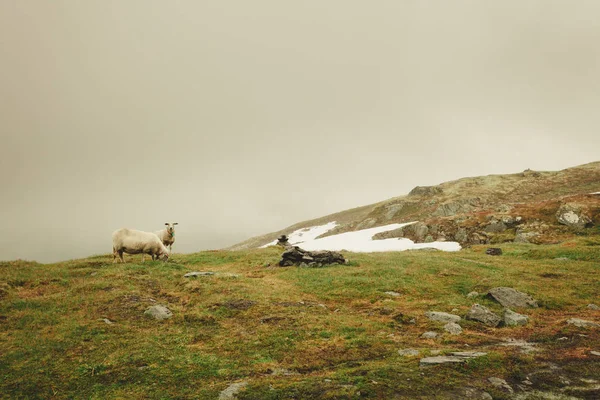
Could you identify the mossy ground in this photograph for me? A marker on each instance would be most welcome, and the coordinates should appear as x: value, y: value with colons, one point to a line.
x: 289, y: 332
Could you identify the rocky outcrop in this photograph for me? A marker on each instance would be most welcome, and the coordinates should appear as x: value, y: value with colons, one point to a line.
x: 425, y: 191
x: 573, y: 216
x: 459, y: 206
x: 315, y: 259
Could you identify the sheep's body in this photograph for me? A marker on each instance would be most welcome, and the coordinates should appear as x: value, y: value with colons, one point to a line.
x: 167, y: 235
x: 131, y: 241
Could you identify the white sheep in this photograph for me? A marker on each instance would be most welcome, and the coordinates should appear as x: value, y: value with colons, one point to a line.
x: 131, y: 241
x: 167, y: 235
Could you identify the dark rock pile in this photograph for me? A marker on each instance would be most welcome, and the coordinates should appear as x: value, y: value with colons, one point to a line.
x: 494, y: 251
x: 314, y: 259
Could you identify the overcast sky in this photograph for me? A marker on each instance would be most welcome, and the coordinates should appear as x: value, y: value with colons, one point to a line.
x: 237, y: 118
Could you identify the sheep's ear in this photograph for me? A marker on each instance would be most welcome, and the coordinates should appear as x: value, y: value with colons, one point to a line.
x: 175, y: 223
x: 166, y: 223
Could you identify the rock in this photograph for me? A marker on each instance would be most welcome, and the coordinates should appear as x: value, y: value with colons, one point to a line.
x: 500, y: 384
x: 483, y: 314
x: 232, y: 390
x: 441, y: 360
x: 442, y: 316
x: 472, y: 294
x: 159, y: 312
x: 425, y: 191
x: 283, y: 241
x: 511, y: 298
x: 198, y: 273
x: 453, y: 328
x: 512, y: 318
x: 429, y: 335
x: 525, y: 237
x: 526, y: 347
x: 456, y: 207
x: 393, y: 294
x: 468, y: 354
x: 573, y: 216
x: 562, y: 259
x: 408, y: 352
x: 107, y: 321
x: 296, y: 256
x: 595, y: 353
x: 582, y: 323
x: 495, y: 227
x: 457, y: 357
x: 494, y: 251
x: 366, y: 224
x: 593, y: 307
x: 461, y: 235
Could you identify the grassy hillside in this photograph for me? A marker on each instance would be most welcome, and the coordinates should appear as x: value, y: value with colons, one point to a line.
x: 293, y: 332
x: 469, y: 204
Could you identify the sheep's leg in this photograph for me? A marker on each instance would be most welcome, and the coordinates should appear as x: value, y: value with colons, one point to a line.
x: 143, y: 255
x: 121, y: 256
x: 152, y: 257
x: 114, y: 256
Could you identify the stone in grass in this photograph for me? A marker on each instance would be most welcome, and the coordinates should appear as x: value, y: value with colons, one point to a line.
x: 392, y: 293
x: 512, y: 318
x: 593, y: 307
x: 595, y: 353
x: 442, y: 316
x: 453, y: 328
x: 482, y: 314
x: 232, y: 390
x: 453, y: 358
x: 408, y: 352
x: 429, y: 335
x: 198, y: 273
x: 500, y: 384
x: 159, y: 312
x: 511, y: 298
x: 494, y: 251
x: 472, y: 294
x: 582, y: 323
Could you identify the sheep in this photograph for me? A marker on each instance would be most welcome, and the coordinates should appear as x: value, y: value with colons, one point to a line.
x: 167, y: 235
x: 131, y: 241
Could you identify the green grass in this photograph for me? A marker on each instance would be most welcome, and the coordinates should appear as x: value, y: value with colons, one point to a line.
x: 333, y: 330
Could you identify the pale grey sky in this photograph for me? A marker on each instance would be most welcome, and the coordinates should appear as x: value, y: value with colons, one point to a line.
x: 237, y: 118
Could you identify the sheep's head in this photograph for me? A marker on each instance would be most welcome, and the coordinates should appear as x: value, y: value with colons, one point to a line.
x: 171, y: 228
x: 164, y: 256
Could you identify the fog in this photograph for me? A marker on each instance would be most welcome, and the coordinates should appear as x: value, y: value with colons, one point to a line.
x: 239, y: 118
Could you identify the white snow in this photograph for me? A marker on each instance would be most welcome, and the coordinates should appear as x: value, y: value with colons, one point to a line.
x: 306, y: 234
x: 360, y: 241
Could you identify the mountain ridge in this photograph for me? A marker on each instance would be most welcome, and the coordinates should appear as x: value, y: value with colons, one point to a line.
x: 474, y: 210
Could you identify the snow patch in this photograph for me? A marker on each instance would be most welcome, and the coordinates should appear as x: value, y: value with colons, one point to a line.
x: 360, y: 241
x: 306, y: 234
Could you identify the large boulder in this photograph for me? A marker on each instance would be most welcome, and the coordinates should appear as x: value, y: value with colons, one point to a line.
x: 573, y: 216
x: 511, y: 298
x: 297, y: 256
